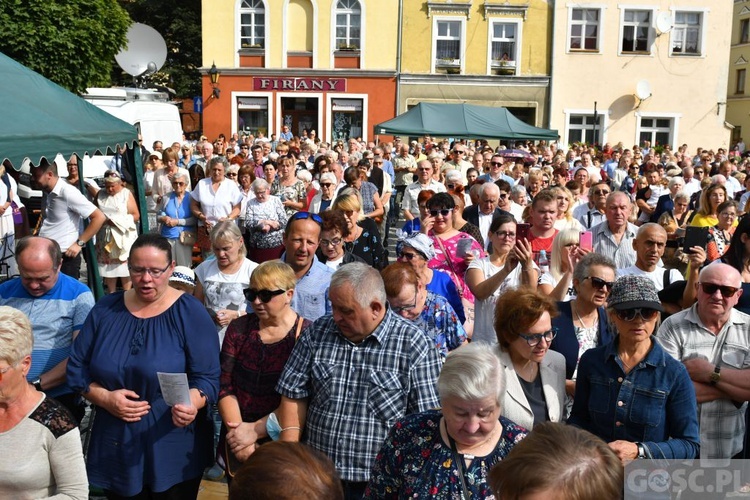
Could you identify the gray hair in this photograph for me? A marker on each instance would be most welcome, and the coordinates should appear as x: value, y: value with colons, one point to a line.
x: 592, y: 259
x: 489, y: 186
x: 182, y: 174
x: 365, y: 281
x: 16, y: 339
x: 259, y: 183
x: 682, y: 195
x: 328, y: 176
x: 454, y: 175
x: 218, y: 160
x: 517, y: 189
x: 472, y: 372
x: 228, y: 230
x: 304, y: 176
x: 675, y: 180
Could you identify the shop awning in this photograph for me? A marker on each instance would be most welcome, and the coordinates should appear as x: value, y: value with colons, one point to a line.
x: 462, y: 121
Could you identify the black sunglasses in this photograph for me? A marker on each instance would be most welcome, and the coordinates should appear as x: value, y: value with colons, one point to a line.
x: 444, y: 212
x: 265, y: 295
x: 599, y: 283
x: 307, y: 215
x: 647, y: 314
x: 726, y: 291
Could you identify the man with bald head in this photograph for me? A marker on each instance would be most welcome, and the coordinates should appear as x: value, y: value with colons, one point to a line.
x: 57, y: 306
x: 711, y: 339
x: 649, y: 245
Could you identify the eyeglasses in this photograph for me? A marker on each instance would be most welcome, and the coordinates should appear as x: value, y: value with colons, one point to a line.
x: 424, y: 169
x: 231, y: 175
x: 534, y: 339
x: 600, y: 192
x: 599, y: 283
x: 450, y: 186
x: 326, y: 184
x: 178, y: 183
x: 155, y: 273
x: 505, y: 234
x: 646, y: 314
x: 459, y: 152
x: 264, y: 295
x: 445, y: 212
x: 400, y: 309
x: 331, y: 243
x: 307, y: 215
x: 496, y: 164
x: 408, y: 255
x: 726, y: 291
x: 503, y: 195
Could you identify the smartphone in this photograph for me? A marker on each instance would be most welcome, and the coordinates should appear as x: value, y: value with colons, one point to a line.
x: 695, y: 237
x: 586, y: 240
x: 522, y: 231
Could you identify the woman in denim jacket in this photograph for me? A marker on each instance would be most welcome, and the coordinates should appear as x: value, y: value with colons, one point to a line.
x: 630, y: 392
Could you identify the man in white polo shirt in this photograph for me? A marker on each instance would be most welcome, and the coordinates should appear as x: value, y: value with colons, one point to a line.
x: 63, y: 210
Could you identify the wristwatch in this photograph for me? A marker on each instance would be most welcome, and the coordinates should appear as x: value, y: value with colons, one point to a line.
x: 641, y: 450
x: 81, y: 243
x: 37, y: 383
x: 715, y: 376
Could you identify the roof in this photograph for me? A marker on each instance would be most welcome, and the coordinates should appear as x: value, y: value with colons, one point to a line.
x: 462, y: 120
x: 43, y: 119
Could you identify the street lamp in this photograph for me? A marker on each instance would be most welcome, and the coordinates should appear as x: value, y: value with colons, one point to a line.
x: 214, y: 75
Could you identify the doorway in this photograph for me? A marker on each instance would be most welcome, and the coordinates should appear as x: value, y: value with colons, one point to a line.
x: 300, y: 114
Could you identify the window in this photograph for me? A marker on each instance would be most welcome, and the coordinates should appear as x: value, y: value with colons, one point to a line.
x: 347, y: 119
x: 252, y: 24
x: 348, y: 22
x: 448, y: 44
x: 658, y: 131
x: 582, y: 128
x: 740, y: 87
x: 686, y: 34
x: 745, y: 31
x: 252, y: 115
x: 503, y: 50
x: 584, y: 29
x: 636, y: 28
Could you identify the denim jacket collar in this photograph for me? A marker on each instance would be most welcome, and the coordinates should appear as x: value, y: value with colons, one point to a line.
x: 655, y: 356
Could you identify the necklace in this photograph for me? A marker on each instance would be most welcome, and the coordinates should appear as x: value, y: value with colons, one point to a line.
x: 627, y: 366
x: 580, y: 320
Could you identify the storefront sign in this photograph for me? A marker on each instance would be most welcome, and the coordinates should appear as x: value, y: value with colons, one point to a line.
x: 301, y: 84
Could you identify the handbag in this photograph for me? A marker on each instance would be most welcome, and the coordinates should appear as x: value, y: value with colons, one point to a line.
x: 203, y: 239
x: 17, y: 214
x: 188, y: 238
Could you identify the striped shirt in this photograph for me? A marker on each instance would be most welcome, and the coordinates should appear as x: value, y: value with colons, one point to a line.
x: 54, y: 317
x: 622, y: 252
x: 683, y: 335
x: 356, y: 392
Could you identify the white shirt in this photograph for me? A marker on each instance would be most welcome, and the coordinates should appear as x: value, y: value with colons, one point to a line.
x: 485, y: 221
x: 656, y: 276
x: 412, y: 191
x: 216, y: 205
x: 692, y: 187
x: 64, y: 209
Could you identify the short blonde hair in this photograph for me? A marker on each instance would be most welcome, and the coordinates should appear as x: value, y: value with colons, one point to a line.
x: 349, y: 200
x: 16, y: 339
x: 228, y: 230
x: 273, y: 275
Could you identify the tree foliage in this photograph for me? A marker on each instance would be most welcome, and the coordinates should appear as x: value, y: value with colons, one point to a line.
x: 179, y: 22
x: 71, y: 42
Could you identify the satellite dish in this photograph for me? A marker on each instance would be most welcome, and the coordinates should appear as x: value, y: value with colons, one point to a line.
x: 146, y: 51
x: 643, y: 90
x: 663, y: 22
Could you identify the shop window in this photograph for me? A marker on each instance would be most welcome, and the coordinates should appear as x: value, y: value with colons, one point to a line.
x: 252, y: 115
x: 347, y: 119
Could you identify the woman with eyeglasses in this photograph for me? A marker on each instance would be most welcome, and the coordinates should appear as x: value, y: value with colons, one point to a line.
x: 510, y: 266
x: 720, y: 236
x: 255, y: 350
x: 535, y: 389
x: 417, y: 249
x: 409, y: 298
x: 265, y: 220
x: 364, y: 237
x: 140, y: 445
x: 290, y: 190
x: 324, y: 198
x: 332, y: 248
x: 176, y: 218
x: 631, y: 392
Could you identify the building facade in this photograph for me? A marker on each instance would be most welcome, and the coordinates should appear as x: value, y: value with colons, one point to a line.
x: 487, y: 52
x: 738, y: 95
x: 653, y: 70
x: 327, y: 66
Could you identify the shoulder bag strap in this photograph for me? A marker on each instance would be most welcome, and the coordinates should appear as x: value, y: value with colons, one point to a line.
x: 450, y: 264
x: 300, y: 319
x: 459, y: 459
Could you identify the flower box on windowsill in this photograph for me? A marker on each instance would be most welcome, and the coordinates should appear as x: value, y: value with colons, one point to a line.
x: 254, y: 49
x: 448, y: 63
x: 348, y: 48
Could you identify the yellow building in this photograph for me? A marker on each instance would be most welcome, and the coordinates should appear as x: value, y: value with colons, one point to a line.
x: 487, y: 52
x: 323, y: 65
x: 654, y: 70
x: 738, y: 94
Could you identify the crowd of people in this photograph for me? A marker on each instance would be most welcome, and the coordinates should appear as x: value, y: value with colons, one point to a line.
x: 572, y: 309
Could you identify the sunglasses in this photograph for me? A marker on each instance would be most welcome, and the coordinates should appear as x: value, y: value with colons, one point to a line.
x: 407, y: 256
x: 599, y: 283
x: 645, y: 313
x: 307, y: 215
x: 326, y: 184
x: 496, y: 164
x: 231, y: 175
x: 726, y: 291
x: 444, y: 212
x: 178, y: 183
x: 264, y: 295
x: 600, y: 192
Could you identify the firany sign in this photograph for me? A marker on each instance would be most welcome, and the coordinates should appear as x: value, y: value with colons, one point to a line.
x: 301, y: 84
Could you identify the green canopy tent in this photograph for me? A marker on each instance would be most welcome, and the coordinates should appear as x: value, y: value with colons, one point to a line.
x: 42, y: 119
x: 462, y: 120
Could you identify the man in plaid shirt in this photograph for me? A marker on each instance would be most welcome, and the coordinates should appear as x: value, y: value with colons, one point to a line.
x: 352, y: 374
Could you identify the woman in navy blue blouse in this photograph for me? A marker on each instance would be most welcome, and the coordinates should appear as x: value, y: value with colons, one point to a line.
x: 139, y: 444
x: 631, y: 392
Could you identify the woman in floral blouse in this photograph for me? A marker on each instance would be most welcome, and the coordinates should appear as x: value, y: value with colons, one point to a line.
x: 448, y: 453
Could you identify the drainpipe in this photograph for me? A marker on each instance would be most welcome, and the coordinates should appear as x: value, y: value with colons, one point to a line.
x: 551, y: 65
x: 398, y: 52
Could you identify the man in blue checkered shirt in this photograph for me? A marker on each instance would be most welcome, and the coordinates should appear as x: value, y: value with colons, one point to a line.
x: 352, y: 374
